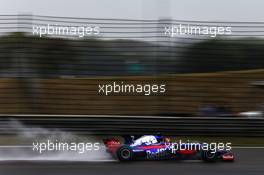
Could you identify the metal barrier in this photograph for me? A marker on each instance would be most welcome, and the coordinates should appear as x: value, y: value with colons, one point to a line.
x: 117, y: 125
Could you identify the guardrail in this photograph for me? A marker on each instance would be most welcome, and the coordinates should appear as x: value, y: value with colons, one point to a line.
x: 117, y: 125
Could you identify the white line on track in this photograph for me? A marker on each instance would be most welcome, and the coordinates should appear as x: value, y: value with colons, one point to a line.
x: 248, y: 147
x: 16, y: 146
x: 54, y: 160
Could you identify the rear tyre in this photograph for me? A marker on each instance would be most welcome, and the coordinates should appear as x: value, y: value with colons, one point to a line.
x: 125, y: 153
x: 209, y: 156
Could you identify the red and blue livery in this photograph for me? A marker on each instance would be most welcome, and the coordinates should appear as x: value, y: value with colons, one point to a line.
x: 157, y: 147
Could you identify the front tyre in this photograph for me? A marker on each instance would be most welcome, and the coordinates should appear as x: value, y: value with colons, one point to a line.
x: 209, y: 156
x: 125, y: 153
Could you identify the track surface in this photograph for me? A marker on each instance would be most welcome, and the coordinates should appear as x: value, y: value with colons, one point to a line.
x: 249, y: 162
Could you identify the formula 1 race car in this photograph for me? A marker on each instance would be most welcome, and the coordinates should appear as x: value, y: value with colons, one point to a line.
x: 157, y: 147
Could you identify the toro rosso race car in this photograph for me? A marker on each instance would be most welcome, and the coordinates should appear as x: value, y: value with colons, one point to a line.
x: 157, y: 147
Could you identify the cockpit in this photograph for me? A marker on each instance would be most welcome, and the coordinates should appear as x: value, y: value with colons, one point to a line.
x: 145, y: 140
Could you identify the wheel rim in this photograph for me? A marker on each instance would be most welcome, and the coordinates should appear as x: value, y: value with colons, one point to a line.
x: 209, y: 154
x: 125, y: 153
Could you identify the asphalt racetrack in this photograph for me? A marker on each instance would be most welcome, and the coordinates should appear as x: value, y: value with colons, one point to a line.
x: 249, y: 161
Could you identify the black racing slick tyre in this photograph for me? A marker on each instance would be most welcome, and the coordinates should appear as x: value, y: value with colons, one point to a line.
x: 125, y: 153
x: 209, y: 156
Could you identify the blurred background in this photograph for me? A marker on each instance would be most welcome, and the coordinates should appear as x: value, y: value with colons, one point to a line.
x: 204, y: 76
